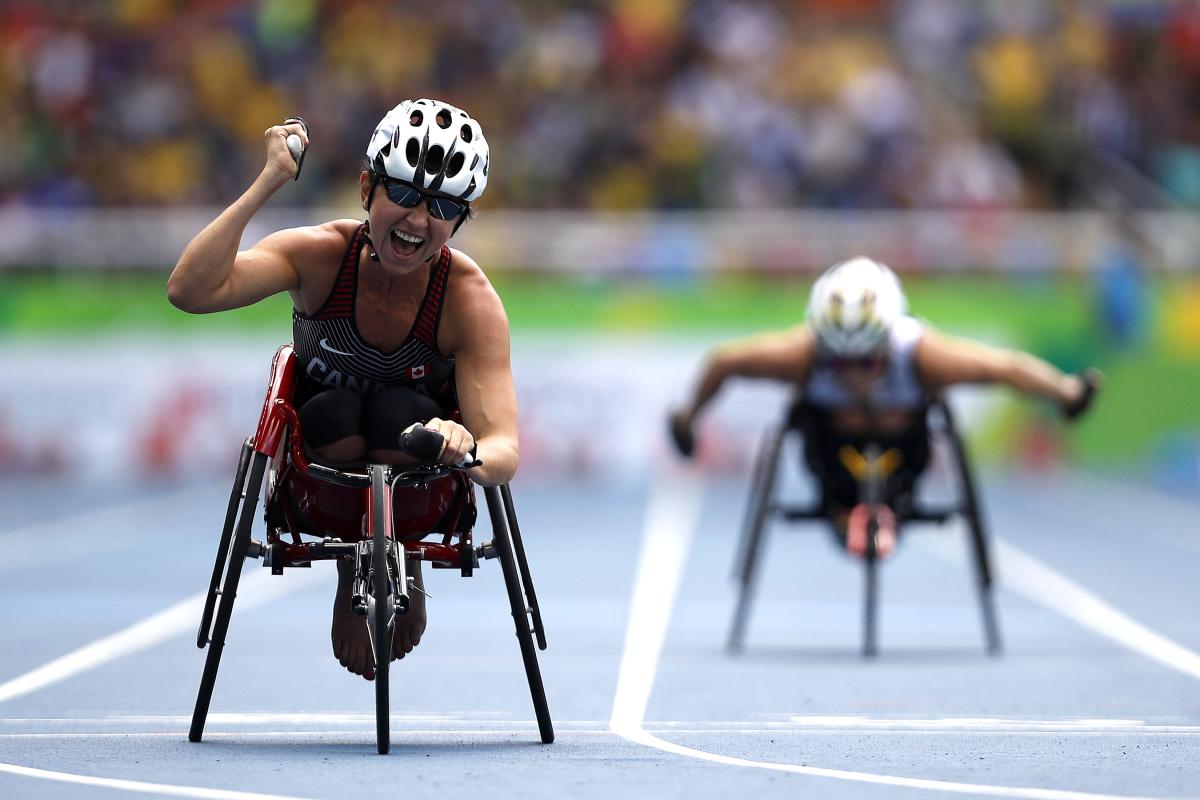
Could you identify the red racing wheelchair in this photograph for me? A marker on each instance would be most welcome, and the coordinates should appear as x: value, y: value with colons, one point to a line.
x: 375, y: 516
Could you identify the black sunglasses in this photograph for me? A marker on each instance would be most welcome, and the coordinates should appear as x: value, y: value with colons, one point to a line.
x: 872, y: 363
x: 406, y: 195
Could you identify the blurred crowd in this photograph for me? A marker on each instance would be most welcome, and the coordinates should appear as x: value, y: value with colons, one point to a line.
x: 612, y: 104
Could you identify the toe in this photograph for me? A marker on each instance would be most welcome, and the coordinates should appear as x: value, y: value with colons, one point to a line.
x: 401, y: 644
x: 359, y: 663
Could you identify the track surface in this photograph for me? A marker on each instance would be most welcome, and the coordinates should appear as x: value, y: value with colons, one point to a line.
x: 1066, y: 708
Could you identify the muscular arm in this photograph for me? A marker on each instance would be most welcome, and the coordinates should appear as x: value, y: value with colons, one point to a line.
x: 778, y: 355
x: 944, y: 361
x: 483, y: 375
x: 211, y: 275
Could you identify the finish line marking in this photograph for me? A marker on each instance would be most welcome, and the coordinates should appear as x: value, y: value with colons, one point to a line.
x: 141, y: 786
x: 251, y: 725
x: 672, y: 513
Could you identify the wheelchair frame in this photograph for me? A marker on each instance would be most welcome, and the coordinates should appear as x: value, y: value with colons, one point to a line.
x: 381, y: 584
x: 763, y: 507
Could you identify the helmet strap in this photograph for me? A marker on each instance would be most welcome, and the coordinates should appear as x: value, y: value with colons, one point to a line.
x: 371, y: 190
x: 366, y: 235
x: 367, y: 222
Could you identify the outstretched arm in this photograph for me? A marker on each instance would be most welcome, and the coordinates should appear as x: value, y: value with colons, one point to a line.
x: 778, y: 355
x: 944, y: 361
x: 483, y: 378
x: 211, y: 274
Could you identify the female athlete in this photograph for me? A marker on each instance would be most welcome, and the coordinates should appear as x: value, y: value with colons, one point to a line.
x: 391, y: 326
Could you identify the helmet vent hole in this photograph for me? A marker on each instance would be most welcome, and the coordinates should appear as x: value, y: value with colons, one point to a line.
x: 412, y: 152
x: 466, y: 133
x: 443, y: 118
x: 416, y: 118
x: 456, y: 165
x: 434, y: 159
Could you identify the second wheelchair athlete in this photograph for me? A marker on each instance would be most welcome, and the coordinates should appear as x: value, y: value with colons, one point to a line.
x: 866, y: 371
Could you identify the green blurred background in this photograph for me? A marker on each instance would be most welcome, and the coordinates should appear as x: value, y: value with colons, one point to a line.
x: 1149, y: 406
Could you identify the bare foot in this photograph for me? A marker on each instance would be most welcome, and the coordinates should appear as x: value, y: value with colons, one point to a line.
x: 410, y: 626
x: 856, y: 529
x: 885, y: 533
x: 351, y: 640
x: 858, y: 522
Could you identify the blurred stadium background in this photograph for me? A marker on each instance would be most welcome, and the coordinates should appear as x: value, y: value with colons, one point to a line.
x: 666, y: 174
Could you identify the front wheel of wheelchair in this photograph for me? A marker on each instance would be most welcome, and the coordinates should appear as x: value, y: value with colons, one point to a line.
x: 380, y: 616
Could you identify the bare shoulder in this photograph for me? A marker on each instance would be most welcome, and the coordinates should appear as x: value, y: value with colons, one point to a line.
x: 784, y: 354
x: 943, y: 360
x: 473, y: 308
x: 934, y: 345
x: 797, y: 340
x: 309, y: 244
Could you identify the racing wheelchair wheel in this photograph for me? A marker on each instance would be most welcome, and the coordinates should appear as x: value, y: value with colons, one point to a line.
x: 236, y: 495
x: 762, y: 490
x: 381, y: 612
x: 500, y: 512
x: 231, y: 552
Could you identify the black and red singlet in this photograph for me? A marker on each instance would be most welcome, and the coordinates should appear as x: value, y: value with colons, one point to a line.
x: 331, y: 352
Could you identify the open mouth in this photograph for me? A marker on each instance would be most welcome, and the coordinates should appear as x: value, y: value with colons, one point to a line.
x: 405, y: 244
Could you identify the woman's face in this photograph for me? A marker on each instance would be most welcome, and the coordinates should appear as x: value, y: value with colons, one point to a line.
x: 404, y: 238
x: 860, y: 373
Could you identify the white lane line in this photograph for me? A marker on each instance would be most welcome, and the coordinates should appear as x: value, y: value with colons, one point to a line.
x: 770, y: 724
x: 670, y: 521
x: 174, y: 726
x: 254, y: 590
x: 598, y: 730
x: 141, y: 786
x: 1035, y: 580
x: 671, y: 516
x: 1030, y: 793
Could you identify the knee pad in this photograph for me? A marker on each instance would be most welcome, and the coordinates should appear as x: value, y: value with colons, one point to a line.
x: 388, y: 412
x: 331, y: 416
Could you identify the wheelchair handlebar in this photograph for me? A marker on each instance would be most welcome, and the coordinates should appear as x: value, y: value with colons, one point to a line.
x: 426, y: 446
x: 421, y: 443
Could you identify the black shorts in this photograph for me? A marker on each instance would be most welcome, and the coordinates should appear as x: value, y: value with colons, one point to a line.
x: 329, y: 415
x: 840, y: 489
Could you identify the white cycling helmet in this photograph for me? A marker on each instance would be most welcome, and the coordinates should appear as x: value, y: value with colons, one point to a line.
x: 853, y: 307
x: 432, y: 145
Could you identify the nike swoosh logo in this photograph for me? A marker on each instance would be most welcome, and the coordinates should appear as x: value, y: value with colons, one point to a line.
x: 325, y: 345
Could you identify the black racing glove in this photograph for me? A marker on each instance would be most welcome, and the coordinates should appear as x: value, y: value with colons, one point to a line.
x: 299, y: 158
x: 681, y: 434
x: 1079, y: 406
x: 422, y: 444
